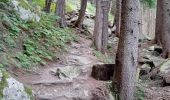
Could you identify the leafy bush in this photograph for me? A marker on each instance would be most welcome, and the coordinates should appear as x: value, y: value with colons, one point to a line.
x: 5, y: 1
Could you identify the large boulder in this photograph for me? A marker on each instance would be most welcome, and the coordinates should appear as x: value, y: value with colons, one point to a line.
x: 165, y: 70
x: 11, y: 89
x: 26, y: 11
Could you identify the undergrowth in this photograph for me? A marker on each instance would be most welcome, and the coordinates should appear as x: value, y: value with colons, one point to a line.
x: 101, y: 57
x: 28, y: 43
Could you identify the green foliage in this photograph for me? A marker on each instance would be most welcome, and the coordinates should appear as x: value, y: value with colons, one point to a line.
x: 140, y: 94
x: 5, y: 1
x: 28, y: 43
x: 102, y: 57
x: 28, y: 90
x: 150, y: 3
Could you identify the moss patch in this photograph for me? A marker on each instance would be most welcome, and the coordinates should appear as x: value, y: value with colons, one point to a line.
x: 3, y: 83
x: 29, y: 92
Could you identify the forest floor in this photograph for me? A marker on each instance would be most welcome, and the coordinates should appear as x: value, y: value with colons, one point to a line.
x: 48, y: 86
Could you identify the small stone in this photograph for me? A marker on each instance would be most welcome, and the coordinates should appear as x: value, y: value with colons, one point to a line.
x: 145, y: 69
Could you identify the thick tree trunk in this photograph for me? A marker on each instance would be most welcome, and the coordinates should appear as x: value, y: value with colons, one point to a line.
x: 126, y: 61
x: 101, y: 25
x: 118, y: 17
x: 47, y: 5
x: 82, y: 11
x: 60, y: 11
x: 159, y: 20
x: 166, y: 28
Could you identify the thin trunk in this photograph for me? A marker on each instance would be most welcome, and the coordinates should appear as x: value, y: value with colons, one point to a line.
x: 101, y: 25
x: 82, y: 11
x: 126, y: 59
x: 98, y: 26
x: 48, y: 5
x: 60, y: 11
x: 105, y: 8
x: 118, y: 17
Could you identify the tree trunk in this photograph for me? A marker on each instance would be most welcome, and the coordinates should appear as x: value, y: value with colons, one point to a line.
x: 98, y: 26
x: 60, y: 11
x: 166, y: 28
x: 101, y: 25
x: 126, y: 59
x: 158, y: 22
x: 82, y: 11
x: 105, y: 8
x: 47, y: 5
x: 118, y: 17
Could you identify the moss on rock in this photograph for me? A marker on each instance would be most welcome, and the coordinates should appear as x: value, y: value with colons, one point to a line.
x: 3, y: 82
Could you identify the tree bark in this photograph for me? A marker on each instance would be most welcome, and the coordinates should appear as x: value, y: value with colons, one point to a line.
x: 166, y: 28
x: 47, y: 5
x: 101, y: 25
x: 126, y: 58
x: 159, y: 20
x: 60, y: 11
x: 98, y: 26
x: 105, y: 8
x: 118, y: 17
x: 82, y: 11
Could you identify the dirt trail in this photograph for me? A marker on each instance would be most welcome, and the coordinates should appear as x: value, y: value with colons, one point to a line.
x: 49, y: 87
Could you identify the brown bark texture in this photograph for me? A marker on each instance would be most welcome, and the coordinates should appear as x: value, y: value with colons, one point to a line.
x: 126, y: 58
x: 60, y: 11
x: 118, y: 17
x: 101, y: 25
x: 159, y: 20
x: 166, y: 28
x: 82, y: 12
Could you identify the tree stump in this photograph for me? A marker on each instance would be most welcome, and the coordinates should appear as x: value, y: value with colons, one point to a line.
x: 103, y: 72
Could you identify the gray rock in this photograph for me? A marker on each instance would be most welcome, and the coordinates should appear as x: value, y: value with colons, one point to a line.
x: 13, y: 89
x: 165, y: 67
x: 165, y: 71
x: 145, y: 69
x: 25, y: 14
x: 68, y: 72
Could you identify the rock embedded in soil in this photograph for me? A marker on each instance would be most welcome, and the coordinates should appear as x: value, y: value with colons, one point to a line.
x: 11, y: 89
x: 145, y: 69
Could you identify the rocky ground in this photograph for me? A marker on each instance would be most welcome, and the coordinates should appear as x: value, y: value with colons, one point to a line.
x: 52, y: 83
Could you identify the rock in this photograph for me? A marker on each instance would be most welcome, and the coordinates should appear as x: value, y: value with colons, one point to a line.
x: 156, y: 50
x: 156, y: 83
x: 157, y: 61
x: 143, y: 37
x: 145, y: 69
x: 165, y: 70
x: 25, y: 14
x: 165, y: 66
x: 167, y: 78
x: 68, y: 72
x: 90, y: 25
x: 12, y: 89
